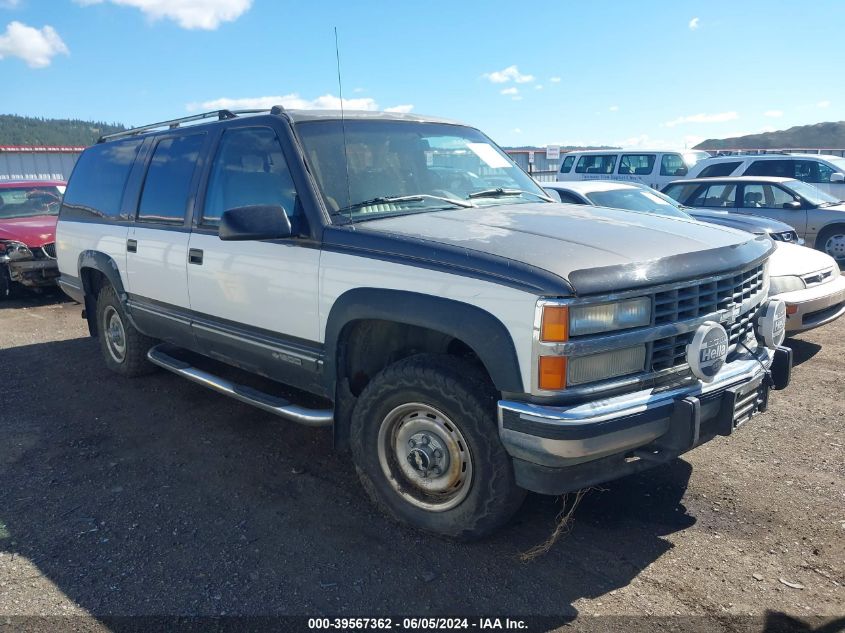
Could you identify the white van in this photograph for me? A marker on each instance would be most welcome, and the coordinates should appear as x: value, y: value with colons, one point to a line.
x: 655, y: 168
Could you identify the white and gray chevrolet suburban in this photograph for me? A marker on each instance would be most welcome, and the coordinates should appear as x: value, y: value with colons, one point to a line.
x: 399, y: 279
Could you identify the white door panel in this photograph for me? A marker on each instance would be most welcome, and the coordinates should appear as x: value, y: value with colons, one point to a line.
x: 158, y: 269
x: 267, y: 285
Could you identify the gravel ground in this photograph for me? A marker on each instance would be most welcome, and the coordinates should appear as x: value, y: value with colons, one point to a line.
x: 154, y: 496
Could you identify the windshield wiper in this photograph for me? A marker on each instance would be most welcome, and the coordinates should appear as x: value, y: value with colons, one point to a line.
x: 499, y: 192
x: 419, y: 197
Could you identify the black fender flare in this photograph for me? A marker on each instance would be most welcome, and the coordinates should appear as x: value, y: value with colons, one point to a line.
x: 105, y: 264
x: 484, y: 333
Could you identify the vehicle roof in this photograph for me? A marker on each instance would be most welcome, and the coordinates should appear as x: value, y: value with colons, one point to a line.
x: 590, y: 186
x: 633, y: 150
x: 740, y: 157
x: 299, y: 116
x: 8, y: 184
x: 736, y: 179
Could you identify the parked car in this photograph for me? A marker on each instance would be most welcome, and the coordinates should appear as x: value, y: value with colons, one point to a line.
x: 634, y: 197
x: 654, y: 168
x: 465, y: 347
x: 28, y: 214
x: 818, y: 217
x: 821, y: 170
x: 810, y: 284
x: 807, y: 280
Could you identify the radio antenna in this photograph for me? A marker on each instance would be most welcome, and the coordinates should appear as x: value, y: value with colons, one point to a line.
x: 343, y: 129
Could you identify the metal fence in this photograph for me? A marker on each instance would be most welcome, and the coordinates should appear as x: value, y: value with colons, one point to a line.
x: 37, y: 163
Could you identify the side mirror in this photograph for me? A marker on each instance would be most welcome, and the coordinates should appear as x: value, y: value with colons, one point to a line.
x: 552, y: 193
x: 255, y: 222
x: 837, y: 176
x: 794, y: 205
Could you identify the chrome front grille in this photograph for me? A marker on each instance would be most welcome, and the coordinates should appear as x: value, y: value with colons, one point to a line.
x: 698, y: 300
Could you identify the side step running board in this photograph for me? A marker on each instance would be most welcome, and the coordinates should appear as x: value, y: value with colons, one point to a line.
x: 259, y: 399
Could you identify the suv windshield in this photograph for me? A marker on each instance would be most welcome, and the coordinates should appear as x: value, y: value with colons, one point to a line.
x: 398, y: 167
x: 811, y: 194
x: 642, y: 200
x: 27, y: 201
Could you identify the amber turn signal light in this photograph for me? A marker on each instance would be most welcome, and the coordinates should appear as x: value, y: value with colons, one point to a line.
x: 555, y: 325
x: 552, y: 373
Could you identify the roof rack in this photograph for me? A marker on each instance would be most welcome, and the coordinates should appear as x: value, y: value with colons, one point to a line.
x: 220, y: 115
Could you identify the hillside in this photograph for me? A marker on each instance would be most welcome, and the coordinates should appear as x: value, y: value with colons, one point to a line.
x: 818, y: 136
x: 22, y: 130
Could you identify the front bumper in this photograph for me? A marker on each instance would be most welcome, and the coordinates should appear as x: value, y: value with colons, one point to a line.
x: 34, y: 272
x: 813, y: 307
x: 560, y: 449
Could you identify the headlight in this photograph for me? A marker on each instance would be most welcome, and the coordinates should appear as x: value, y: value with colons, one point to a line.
x: 606, y: 365
x: 15, y: 250
x: 786, y: 283
x: 785, y: 236
x: 605, y: 317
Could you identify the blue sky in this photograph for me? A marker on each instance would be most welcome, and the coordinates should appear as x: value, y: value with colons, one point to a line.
x: 631, y: 73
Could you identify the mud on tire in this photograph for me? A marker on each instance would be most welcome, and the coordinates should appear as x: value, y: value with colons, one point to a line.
x: 450, y: 402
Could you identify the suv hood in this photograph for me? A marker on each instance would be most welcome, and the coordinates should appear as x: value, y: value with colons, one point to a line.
x: 594, y: 248
x: 34, y: 231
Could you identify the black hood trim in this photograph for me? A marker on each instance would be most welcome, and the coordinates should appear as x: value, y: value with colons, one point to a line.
x: 422, y: 253
x: 676, y: 268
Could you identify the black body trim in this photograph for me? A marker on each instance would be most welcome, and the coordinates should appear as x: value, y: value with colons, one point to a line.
x: 454, y: 260
x: 697, y: 265
x: 481, y: 331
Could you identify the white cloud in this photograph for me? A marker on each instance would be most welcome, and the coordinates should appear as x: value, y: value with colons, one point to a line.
x: 189, y: 14
x: 511, y: 73
x: 773, y: 114
x: 555, y: 80
x: 614, y: 108
x: 403, y: 109
x: 510, y: 91
x: 292, y: 101
x: 693, y: 24
x: 517, y: 130
x: 538, y: 87
x: 718, y: 117
x: 823, y: 104
x: 36, y: 47
x: 9, y: 4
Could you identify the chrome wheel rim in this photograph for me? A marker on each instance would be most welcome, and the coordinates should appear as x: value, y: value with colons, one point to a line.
x: 425, y: 457
x: 835, y: 247
x: 115, y: 334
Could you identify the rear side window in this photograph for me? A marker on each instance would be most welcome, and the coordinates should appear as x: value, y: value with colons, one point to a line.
x: 96, y: 187
x: 637, y: 164
x: 596, y: 164
x: 169, y: 175
x: 567, y: 164
x: 780, y: 168
x: 719, y: 170
x: 672, y: 165
x: 716, y: 196
x: 683, y: 192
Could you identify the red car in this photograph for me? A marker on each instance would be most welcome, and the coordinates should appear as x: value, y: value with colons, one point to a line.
x: 28, y: 214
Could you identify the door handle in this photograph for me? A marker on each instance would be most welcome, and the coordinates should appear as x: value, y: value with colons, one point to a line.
x: 131, y: 246
x: 195, y: 256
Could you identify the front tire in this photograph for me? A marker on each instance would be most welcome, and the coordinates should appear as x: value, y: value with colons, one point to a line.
x: 832, y: 241
x: 5, y: 283
x: 124, y: 348
x: 426, y: 446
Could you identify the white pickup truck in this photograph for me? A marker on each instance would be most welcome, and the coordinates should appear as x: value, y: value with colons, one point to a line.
x: 400, y: 279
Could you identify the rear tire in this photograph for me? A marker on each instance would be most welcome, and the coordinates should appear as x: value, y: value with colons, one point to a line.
x: 426, y: 446
x: 831, y: 240
x: 124, y: 348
